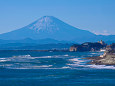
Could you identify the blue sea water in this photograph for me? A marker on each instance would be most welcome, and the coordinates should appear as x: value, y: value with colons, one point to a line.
x: 33, y: 68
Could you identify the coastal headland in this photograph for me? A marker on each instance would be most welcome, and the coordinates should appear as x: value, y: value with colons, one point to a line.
x: 108, y: 58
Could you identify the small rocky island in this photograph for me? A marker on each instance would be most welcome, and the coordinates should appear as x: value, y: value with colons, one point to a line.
x: 88, y: 46
x: 108, y: 58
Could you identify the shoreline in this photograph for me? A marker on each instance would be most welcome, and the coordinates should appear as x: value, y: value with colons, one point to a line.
x: 108, y: 59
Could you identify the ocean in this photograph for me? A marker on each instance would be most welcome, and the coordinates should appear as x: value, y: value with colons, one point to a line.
x: 33, y: 68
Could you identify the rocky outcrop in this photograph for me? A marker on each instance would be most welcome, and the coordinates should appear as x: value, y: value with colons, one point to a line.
x: 110, y: 48
x: 88, y: 46
x: 108, y: 58
x: 74, y: 47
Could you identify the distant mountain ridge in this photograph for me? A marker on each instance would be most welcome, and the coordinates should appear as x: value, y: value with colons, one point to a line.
x: 32, y: 41
x: 53, y: 28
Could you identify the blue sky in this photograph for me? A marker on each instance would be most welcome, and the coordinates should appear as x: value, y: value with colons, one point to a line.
x: 97, y: 16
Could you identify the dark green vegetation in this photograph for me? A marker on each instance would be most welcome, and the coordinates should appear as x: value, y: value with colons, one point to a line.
x: 88, y: 46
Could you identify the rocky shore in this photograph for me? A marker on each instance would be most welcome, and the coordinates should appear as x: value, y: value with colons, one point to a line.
x: 108, y: 58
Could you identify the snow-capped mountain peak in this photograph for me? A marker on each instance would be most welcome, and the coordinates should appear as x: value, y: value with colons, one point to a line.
x: 46, y: 23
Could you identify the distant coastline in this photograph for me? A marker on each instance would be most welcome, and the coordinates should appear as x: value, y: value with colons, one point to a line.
x: 40, y: 50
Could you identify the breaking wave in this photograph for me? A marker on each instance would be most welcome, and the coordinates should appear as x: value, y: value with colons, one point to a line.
x: 65, y: 61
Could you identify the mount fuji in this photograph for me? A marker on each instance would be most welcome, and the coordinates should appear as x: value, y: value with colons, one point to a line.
x: 49, y: 27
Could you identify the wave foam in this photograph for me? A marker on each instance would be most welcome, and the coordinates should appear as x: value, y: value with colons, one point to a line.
x: 101, y: 66
x: 66, y: 55
x: 65, y: 67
